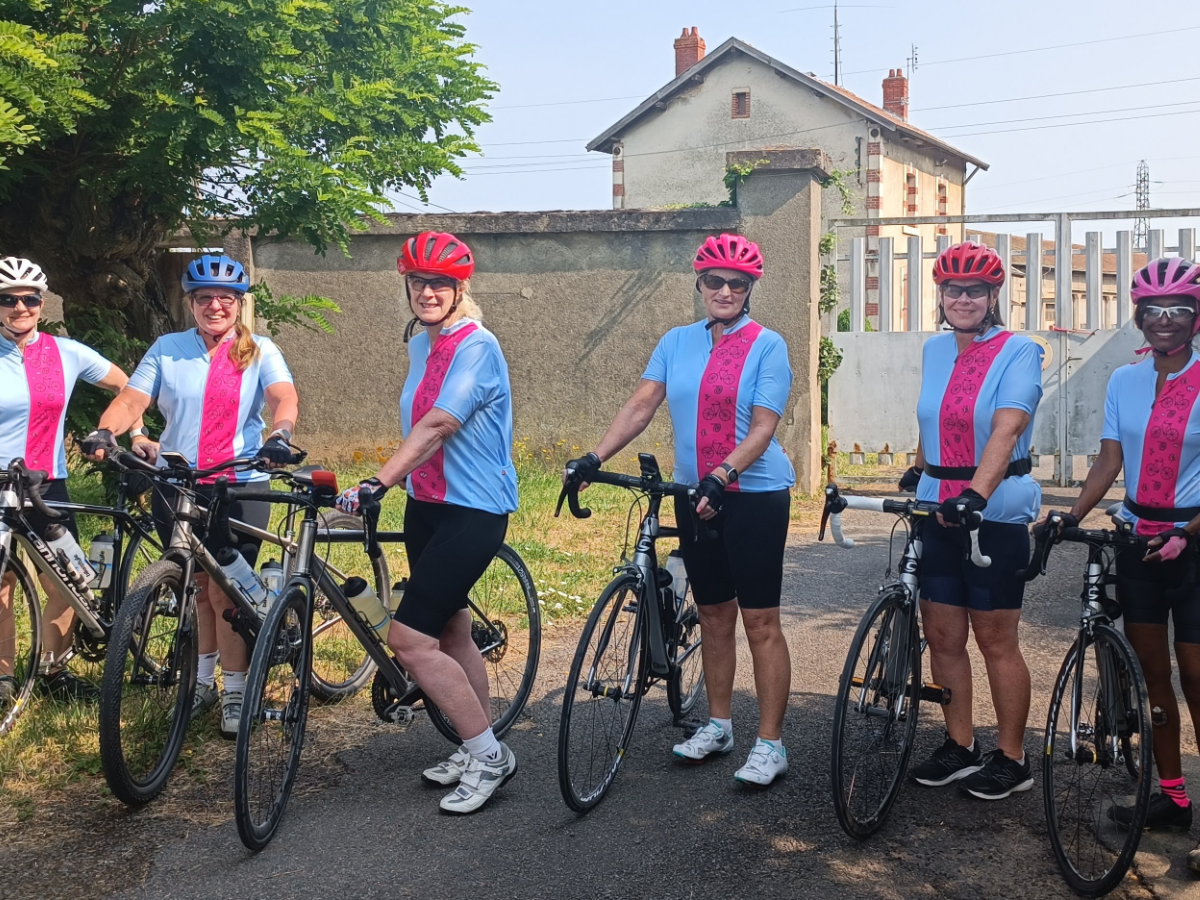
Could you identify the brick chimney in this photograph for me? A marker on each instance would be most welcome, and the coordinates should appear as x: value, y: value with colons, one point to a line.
x: 895, y: 94
x: 689, y: 50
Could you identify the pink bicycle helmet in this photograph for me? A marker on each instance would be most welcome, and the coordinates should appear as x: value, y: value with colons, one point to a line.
x: 969, y: 260
x: 1167, y: 278
x: 729, y: 251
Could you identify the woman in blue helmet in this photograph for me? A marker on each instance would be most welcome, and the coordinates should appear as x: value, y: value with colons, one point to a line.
x: 211, y: 383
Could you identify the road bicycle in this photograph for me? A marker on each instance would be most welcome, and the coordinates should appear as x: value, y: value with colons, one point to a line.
x: 881, y: 688
x: 1099, y: 743
x: 95, y: 600
x: 506, y: 626
x: 638, y: 633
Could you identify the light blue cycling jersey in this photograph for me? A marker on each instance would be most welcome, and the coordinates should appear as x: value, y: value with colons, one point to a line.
x: 35, y: 388
x: 467, y: 377
x: 712, y: 392
x: 1012, y: 380
x: 213, y: 411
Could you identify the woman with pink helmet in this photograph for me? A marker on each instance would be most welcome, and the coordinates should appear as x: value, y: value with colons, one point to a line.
x: 1152, y: 430
x: 726, y: 380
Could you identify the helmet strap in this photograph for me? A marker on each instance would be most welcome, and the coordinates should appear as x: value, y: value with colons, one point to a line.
x: 744, y: 311
x: 419, y: 322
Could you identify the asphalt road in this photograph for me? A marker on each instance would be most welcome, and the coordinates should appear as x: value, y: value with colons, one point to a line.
x: 368, y: 826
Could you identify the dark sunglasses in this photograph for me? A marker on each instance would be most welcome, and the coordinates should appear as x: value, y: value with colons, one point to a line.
x: 9, y: 301
x: 716, y: 282
x: 416, y: 284
x: 974, y: 291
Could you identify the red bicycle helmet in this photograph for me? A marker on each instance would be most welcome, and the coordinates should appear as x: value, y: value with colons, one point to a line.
x: 1175, y: 277
x: 729, y: 251
x: 969, y: 260
x: 437, y: 252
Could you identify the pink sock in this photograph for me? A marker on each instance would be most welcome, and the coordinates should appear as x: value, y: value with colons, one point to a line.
x: 1174, y: 788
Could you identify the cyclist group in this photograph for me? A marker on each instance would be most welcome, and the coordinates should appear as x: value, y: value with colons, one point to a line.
x: 726, y: 380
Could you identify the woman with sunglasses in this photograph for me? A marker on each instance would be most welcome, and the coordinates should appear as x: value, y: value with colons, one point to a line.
x: 1152, y: 431
x: 211, y: 383
x: 38, y: 373
x: 455, y: 460
x: 726, y: 380
x: 980, y: 388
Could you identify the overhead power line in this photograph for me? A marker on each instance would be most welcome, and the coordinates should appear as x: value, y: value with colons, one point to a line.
x: 1103, y: 90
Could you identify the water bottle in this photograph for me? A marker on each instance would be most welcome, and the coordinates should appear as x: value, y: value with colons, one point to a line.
x: 234, y: 565
x: 370, y: 609
x: 679, y: 578
x: 272, y: 576
x: 101, y: 555
x: 69, y: 554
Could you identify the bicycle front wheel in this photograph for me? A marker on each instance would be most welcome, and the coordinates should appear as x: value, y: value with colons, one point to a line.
x: 20, y: 642
x: 506, y: 625
x: 274, y: 714
x: 1098, y: 759
x: 875, y: 718
x: 148, y: 686
x: 603, y: 694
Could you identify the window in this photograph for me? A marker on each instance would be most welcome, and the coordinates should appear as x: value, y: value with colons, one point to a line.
x: 741, y: 104
x: 910, y: 192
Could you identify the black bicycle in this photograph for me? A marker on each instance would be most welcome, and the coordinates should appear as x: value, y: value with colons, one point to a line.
x: 881, y: 689
x: 639, y: 632
x: 95, y: 593
x: 1099, y: 744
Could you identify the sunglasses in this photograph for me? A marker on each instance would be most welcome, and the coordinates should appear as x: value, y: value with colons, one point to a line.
x: 417, y: 285
x: 716, y: 282
x: 975, y: 291
x: 226, y: 300
x: 10, y: 301
x: 1173, y: 313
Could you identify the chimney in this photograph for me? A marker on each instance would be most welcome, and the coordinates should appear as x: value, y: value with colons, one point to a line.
x: 895, y: 94
x: 689, y: 50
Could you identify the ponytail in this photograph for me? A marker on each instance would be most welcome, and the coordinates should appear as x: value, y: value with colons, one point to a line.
x: 244, y: 350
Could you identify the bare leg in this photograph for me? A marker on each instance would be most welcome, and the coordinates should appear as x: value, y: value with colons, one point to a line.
x: 1008, y: 675
x: 234, y: 656
x: 946, y: 628
x: 8, y: 626
x: 772, y: 668
x: 58, y: 623
x: 718, y: 653
x: 441, y: 677
x: 206, y: 623
x: 1188, y: 656
x: 457, y: 643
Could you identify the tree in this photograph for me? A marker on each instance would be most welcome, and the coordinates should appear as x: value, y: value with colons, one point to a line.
x: 293, y: 117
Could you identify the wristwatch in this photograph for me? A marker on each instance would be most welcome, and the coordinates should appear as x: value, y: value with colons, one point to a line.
x: 731, y: 474
x: 138, y: 432
x: 281, y: 433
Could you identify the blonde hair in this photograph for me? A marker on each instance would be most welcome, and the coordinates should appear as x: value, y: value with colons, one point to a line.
x: 245, y: 350
x: 470, y: 309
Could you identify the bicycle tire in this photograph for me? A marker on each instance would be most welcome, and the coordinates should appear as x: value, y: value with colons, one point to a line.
x: 24, y: 648
x: 600, y: 709
x: 877, y: 707
x: 341, y: 666
x: 274, y: 714
x: 1080, y: 788
x: 148, y: 685
x: 685, y: 684
x: 510, y: 640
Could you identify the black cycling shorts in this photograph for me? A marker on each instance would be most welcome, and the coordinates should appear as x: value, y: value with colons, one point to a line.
x: 449, y: 548
x: 948, y: 576
x: 746, y: 559
x: 1152, y: 593
x: 254, y: 513
x: 56, y: 492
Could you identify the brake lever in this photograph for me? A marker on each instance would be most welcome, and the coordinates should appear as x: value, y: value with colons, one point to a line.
x: 34, y: 477
x: 370, y: 516
x: 977, y: 556
x: 570, y: 493
x: 219, y: 514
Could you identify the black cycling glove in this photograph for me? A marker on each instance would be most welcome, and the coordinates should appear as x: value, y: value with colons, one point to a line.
x: 973, y: 502
x: 911, y: 478
x: 100, y: 439
x: 712, y: 489
x: 276, y: 450
x: 584, y: 468
x: 1063, y: 520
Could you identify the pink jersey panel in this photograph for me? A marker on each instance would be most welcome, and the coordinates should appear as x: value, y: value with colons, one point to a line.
x: 429, y: 479
x: 716, y: 418
x: 957, y: 419
x: 1163, y: 447
x: 222, y: 401
x: 47, y: 399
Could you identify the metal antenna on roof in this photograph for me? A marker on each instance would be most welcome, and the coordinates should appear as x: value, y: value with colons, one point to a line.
x: 1141, y: 227
x: 837, y: 47
x: 912, y: 62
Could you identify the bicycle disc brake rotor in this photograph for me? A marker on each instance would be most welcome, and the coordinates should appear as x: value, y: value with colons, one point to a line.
x: 493, y: 636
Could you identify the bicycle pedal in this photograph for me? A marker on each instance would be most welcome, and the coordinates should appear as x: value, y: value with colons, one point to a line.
x: 935, y: 693
x: 399, y: 714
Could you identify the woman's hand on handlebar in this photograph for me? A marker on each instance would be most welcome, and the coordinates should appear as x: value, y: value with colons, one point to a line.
x: 580, y: 471
x: 1168, y: 545
x: 1056, y: 522
x: 146, y: 449
x: 353, y: 499
x: 98, y: 445
x: 962, y: 510
x: 711, y: 493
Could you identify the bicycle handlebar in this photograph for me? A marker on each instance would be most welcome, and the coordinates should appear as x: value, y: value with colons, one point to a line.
x: 570, y: 493
x: 1046, y: 535
x: 30, y: 479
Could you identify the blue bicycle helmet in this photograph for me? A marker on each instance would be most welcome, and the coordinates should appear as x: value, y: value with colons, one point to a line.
x: 215, y: 271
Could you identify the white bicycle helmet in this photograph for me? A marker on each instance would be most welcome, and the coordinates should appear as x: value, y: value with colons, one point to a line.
x: 21, y: 273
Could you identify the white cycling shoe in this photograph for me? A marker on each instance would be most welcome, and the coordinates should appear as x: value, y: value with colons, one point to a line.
x: 765, y: 763
x: 449, y: 770
x: 479, y: 781
x: 708, y: 740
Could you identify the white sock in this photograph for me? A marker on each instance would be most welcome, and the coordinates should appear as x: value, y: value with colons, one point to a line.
x: 484, y: 747
x: 726, y: 725
x: 206, y: 669
x: 971, y: 749
x: 234, y: 681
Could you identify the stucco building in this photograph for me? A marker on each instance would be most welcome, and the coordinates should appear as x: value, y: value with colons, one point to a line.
x: 671, y: 150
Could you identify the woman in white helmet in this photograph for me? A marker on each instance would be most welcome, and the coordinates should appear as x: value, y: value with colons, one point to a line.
x: 37, y: 375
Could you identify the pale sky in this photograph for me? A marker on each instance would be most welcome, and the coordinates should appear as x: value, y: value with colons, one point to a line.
x: 562, y: 52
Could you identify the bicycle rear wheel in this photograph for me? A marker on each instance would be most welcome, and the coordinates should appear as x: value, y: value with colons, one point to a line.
x: 686, y: 681
x: 875, y: 718
x: 1098, y: 757
x: 20, y: 642
x: 274, y: 715
x: 603, y: 694
x: 148, y: 686
x: 506, y: 625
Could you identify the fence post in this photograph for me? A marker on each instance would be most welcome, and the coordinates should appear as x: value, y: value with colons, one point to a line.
x: 885, y: 283
x: 943, y: 241
x: 1004, y: 251
x: 1154, y: 244
x: 1187, y: 243
x: 858, y: 283
x: 1033, y: 281
x: 916, y: 259
x: 1124, y: 276
x: 1064, y: 313
x: 1094, y: 279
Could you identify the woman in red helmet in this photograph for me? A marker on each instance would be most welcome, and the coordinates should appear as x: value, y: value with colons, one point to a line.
x: 980, y: 387
x: 456, y: 419
x: 726, y: 381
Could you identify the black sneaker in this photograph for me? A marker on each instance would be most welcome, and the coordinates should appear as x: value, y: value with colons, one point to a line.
x: 949, y: 762
x: 8, y: 688
x: 999, y: 777
x: 1162, y: 814
x: 63, y: 685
